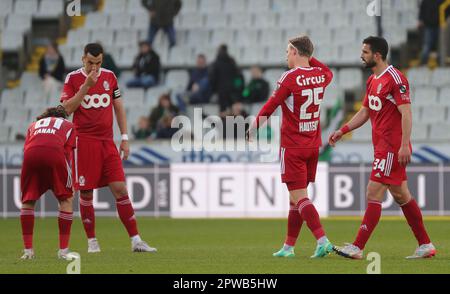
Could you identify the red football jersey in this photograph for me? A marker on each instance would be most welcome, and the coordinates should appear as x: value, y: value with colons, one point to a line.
x: 300, y: 92
x: 94, y: 117
x: 383, y: 95
x: 51, y: 132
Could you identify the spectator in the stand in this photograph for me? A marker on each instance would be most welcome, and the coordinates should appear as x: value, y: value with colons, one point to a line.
x: 143, y: 129
x: 164, y: 108
x: 429, y: 21
x: 162, y: 13
x: 164, y: 129
x: 257, y: 89
x: 51, y: 70
x: 198, y: 86
x: 110, y: 64
x: 237, y: 109
x: 146, y: 68
x: 225, y: 78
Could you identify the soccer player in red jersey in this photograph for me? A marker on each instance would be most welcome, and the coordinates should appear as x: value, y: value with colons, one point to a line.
x: 91, y: 93
x: 388, y: 105
x: 46, y: 166
x: 299, y: 93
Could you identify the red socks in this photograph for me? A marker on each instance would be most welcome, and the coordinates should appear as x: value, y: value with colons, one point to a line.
x: 295, y: 222
x: 87, y: 216
x: 309, y: 214
x: 370, y: 221
x: 414, y: 217
x: 64, y: 224
x: 126, y: 214
x: 27, y: 222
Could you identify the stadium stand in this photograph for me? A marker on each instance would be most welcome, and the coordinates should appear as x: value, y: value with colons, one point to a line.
x: 255, y: 31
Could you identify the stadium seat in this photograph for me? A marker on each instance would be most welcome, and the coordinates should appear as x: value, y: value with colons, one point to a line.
x: 216, y: 21
x: 419, y: 76
x: 120, y: 21
x: 240, y: 20
x: 192, y: 20
x: 247, y: 37
x: 6, y: 7
x: 235, y: 5
x: 419, y: 132
x: 433, y: 114
x: 350, y: 78
x: 77, y: 37
x: 19, y: 23
x: 440, y: 77
x: 222, y: 36
x: 133, y: 97
x: 96, y: 20
x: 363, y: 134
x: 26, y: 7
x: 177, y: 79
x: 140, y: 21
x: 444, y: 96
x: 285, y: 6
x: 115, y: 6
x: 290, y: 19
x: 104, y: 36
x: 257, y: 6
x: 50, y: 9
x: 424, y: 96
x: 135, y: 7
x: 209, y: 6
x: 4, y: 133
x: 273, y: 75
x: 265, y: 20
x: 189, y: 6
x: 439, y: 132
x: 126, y: 38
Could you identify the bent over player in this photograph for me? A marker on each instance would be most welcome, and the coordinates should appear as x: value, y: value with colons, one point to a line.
x: 46, y: 166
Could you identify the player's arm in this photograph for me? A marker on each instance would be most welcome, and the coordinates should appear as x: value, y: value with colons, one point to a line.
x: 404, y: 154
x: 72, y: 104
x: 121, y: 117
x: 326, y: 70
x: 278, y: 96
x: 357, y: 121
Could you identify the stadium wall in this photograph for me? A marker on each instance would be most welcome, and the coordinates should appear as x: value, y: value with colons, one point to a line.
x: 242, y: 190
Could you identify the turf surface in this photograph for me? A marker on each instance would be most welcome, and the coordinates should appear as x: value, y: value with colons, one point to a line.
x: 220, y: 246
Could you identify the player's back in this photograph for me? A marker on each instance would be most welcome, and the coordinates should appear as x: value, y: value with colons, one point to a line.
x: 52, y: 132
x: 301, y: 110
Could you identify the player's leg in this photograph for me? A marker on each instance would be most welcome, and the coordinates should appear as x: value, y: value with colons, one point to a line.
x: 27, y: 223
x: 413, y: 215
x: 87, y: 175
x: 294, y: 226
x: 65, y: 218
x: 87, y: 214
x: 126, y: 215
x: 375, y: 195
x: 309, y: 214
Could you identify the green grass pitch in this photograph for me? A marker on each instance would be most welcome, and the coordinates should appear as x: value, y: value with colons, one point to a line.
x: 221, y: 246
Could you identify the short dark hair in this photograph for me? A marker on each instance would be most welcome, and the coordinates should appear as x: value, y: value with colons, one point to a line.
x: 58, y: 111
x: 95, y: 49
x: 378, y: 45
x: 303, y: 45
